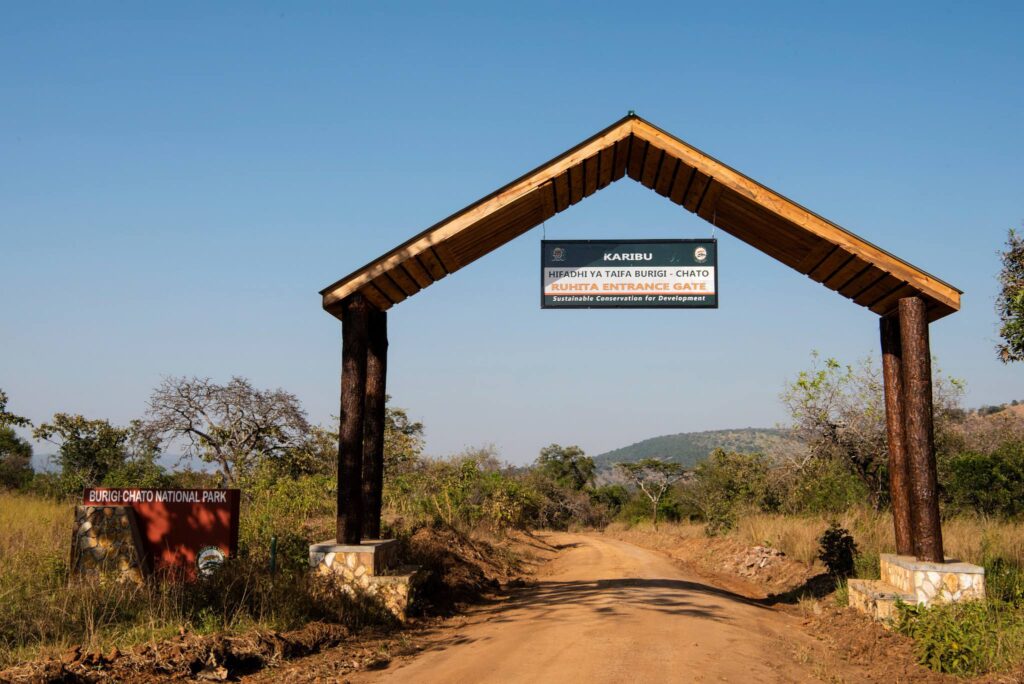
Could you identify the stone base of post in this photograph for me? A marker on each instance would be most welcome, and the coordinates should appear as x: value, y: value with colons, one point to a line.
x: 367, y: 572
x: 923, y: 583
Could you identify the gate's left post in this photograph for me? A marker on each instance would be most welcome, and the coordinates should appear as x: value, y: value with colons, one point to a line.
x: 364, y: 569
x: 355, y: 327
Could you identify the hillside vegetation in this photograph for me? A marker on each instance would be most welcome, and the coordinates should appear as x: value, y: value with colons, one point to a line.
x: 690, y: 448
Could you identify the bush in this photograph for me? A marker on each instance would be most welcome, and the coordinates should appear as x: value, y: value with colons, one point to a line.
x: 1004, y: 581
x: 837, y: 551
x: 965, y: 638
x: 825, y: 486
x: 992, y: 483
x: 727, y: 483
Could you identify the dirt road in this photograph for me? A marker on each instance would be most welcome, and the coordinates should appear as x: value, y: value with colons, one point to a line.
x: 607, y: 611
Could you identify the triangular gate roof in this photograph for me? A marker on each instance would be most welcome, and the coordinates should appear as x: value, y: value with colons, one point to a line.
x: 737, y: 204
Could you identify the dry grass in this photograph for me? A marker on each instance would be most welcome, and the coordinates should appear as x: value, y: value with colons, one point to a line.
x: 971, y: 539
x: 42, y: 613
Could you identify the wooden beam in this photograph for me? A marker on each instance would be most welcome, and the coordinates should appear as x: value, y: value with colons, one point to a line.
x: 562, y: 192
x: 892, y: 377
x: 386, y: 284
x: 919, y: 431
x: 666, y: 174
x: 828, y: 267
x: 373, y: 423
x: 890, y: 303
x: 376, y: 297
x: 404, y: 280
x: 433, y: 265
x: 606, y: 166
x: 621, y: 158
x: 696, y: 191
x: 354, y: 333
x: 862, y: 282
x: 651, y: 165
x: 815, y: 255
x: 708, y: 209
x: 847, y: 273
x: 681, y: 183
x: 417, y: 272
x: 575, y: 183
x: 637, y: 155
x: 590, y: 176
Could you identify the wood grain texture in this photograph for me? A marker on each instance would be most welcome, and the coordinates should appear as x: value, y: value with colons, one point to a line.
x: 355, y: 334
x: 918, y: 430
x: 373, y: 423
x: 899, y: 477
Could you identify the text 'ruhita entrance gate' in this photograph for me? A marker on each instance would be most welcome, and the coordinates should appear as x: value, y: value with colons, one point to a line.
x: 906, y: 298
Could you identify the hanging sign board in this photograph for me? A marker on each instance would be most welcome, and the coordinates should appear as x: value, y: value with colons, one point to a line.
x: 629, y: 274
x: 182, y: 530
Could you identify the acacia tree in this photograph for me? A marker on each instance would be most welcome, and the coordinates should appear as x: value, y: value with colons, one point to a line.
x: 568, y: 466
x: 234, y: 426
x: 654, y: 477
x: 1010, y: 302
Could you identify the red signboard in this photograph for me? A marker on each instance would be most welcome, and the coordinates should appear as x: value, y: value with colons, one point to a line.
x: 182, y: 530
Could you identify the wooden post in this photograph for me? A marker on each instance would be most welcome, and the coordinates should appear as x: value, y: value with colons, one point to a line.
x: 892, y: 376
x: 918, y: 431
x: 373, y: 438
x: 354, y: 323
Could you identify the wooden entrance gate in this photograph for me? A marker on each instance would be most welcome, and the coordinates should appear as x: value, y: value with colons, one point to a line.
x: 906, y: 298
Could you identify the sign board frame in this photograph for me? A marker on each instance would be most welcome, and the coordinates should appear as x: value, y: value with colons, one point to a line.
x: 177, y: 525
x: 633, y: 244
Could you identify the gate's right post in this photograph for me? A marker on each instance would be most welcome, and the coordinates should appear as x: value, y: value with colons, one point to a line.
x: 899, y: 485
x: 918, y: 430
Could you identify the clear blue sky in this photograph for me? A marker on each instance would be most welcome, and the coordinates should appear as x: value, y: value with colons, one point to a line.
x: 178, y: 182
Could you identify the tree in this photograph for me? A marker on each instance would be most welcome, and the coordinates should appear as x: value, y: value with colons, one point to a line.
x: 724, y: 483
x: 403, y: 440
x: 838, y: 412
x: 568, y: 466
x: 1010, y: 301
x: 403, y: 445
x: 234, y: 426
x: 86, y: 449
x: 8, y: 419
x: 15, y: 459
x: 654, y: 477
x: 15, y: 452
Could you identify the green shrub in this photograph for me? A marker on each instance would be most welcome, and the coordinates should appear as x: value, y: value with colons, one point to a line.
x: 824, y: 486
x: 987, y: 483
x: 965, y: 638
x: 1004, y: 581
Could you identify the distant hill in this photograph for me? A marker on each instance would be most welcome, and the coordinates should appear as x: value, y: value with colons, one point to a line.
x: 689, y: 448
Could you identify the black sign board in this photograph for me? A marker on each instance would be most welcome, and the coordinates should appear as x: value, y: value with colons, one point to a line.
x: 629, y: 274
